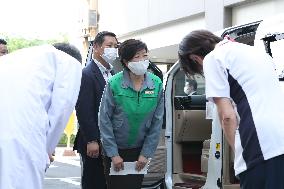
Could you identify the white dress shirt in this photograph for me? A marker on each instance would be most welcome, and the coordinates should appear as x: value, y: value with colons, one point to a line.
x: 105, y: 72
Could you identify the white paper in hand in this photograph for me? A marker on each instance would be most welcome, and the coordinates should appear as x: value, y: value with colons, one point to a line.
x: 129, y: 168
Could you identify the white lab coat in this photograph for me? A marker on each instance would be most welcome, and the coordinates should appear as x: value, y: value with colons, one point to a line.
x: 39, y: 87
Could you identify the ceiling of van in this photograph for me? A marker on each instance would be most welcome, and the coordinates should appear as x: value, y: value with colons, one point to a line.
x: 167, y: 54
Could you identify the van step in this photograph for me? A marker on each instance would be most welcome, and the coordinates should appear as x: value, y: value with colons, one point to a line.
x: 192, y: 178
x: 190, y: 181
x: 188, y: 185
x: 231, y: 186
x: 179, y: 187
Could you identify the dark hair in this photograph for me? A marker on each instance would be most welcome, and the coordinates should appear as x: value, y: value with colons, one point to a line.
x: 69, y: 49
x: 100, y: 37
x: 2, y: 41
x: 129, y: 48
x: 198, y: 42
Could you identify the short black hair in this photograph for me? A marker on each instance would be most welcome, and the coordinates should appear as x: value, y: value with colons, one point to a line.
x: 198, y: 42
x: 100, y: 37
x: 69, y: 49
x: 129, y: 48
x: 2, y: 41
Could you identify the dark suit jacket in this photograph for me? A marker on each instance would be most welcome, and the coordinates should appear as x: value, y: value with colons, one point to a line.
x: 87, y: 107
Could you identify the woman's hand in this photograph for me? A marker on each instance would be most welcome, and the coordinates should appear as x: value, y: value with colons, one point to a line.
x: 51, y: 158
x: 140, y: 164
x: 117, y: 163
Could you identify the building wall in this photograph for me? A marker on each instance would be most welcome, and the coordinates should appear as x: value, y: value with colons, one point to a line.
x: 256, y: 11
x: 163, y: 23
x: 123, y: 16
x: 164, y: 35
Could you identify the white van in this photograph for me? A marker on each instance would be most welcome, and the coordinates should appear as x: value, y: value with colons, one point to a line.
x: 197, y: 154
x: 192, y: 152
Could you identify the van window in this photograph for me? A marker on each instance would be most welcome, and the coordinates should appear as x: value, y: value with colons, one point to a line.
x: 185, y: 86
x: 200, y: 84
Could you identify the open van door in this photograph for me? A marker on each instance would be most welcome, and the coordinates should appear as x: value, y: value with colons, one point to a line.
x: 198, y: 155
x: 271, y: 33
x: 187, y: 132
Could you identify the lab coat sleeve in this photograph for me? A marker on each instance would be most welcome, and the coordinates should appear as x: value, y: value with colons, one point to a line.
x: 63, y: 98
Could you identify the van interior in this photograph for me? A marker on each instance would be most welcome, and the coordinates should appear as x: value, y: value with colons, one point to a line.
x: 192, y: 131
x: 191, y: 134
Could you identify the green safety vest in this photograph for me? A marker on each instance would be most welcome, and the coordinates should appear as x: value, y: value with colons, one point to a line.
x: 136, y: 105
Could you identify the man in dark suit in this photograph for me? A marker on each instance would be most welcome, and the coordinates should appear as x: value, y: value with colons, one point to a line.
x: 94, y: 78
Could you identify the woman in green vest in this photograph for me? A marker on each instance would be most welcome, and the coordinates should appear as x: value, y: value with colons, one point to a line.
x: 131, y: 116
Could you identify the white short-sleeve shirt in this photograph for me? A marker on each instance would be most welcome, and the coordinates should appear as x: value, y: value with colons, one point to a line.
x: 246, y: 75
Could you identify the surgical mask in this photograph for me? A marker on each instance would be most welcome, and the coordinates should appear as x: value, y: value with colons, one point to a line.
x: 109, y: 55
x: 139, y: 68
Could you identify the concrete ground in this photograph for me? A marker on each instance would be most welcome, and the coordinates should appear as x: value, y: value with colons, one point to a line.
x: 64, y: 172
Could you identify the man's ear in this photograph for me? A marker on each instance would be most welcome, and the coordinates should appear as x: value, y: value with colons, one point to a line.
x: 96, y: 46
x: 196, y: 58
x: 125, y: 62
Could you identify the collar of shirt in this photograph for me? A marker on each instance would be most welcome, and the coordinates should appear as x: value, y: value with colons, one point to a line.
x: 147, y: 83
x: 102, y: 68
x: 224, y: 41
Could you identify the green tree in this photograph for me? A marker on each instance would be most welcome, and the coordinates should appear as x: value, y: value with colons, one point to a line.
x: 15, y: 43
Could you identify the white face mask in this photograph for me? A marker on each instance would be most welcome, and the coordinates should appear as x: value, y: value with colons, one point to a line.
x: 109, y: 55
x: 139, y: 68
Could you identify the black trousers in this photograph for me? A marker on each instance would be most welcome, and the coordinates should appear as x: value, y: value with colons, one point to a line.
x: 93, y: 173
x: 123, y: 181
x: 267, y: 175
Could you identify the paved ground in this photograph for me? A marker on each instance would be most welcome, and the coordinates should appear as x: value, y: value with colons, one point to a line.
x: 64, y: 173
